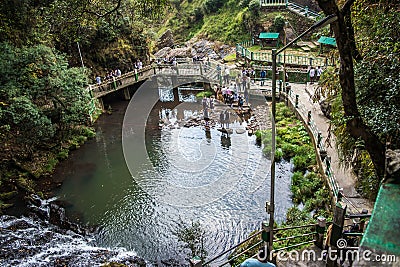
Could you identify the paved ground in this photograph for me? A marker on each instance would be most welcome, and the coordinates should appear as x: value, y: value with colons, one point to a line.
x: 345, y: 177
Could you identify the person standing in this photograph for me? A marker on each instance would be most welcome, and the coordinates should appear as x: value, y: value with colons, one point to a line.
x: 312, y: 75
x: 238, y: 82
x: 206, y: 116
x: 227, y: 74
x: 263, y: 74
x: 318, y: 72
x: 222, y: 119
x: 227, y: 118
x: 204, y: 102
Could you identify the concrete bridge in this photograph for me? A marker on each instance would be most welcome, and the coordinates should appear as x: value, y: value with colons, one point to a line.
x: 166, y: 76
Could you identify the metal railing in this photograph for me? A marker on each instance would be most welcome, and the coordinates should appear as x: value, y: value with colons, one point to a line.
x: 273, y: 3
x: 317, y: 136
x: 288, y: 59
x: 259, y: 238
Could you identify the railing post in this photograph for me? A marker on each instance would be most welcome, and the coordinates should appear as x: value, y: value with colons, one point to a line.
x: 311, y: 61
x: 252, y: 55
x: 266, y: 231
x: 136, y: 76
x: 319, y: 139
x: 309, y: 117
x: 296, y: 101
x: 320, y: 229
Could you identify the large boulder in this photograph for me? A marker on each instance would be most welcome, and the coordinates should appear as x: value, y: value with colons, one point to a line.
x: 163, y: 53
x: 166, y: 40
x: 180, y: 52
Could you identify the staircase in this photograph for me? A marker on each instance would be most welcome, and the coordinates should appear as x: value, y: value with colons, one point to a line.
x: 303, y: 11
x: 294, y: 7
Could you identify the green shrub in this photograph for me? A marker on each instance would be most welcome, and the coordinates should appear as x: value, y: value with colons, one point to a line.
x: 211, y: 6
x: 289, y: 150
x: 278, y: 154
x: 204, y: 94
x: 51, y: 164
x: 63, y: 154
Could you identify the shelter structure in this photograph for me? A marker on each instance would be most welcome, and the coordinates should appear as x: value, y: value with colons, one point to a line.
x: 328, y: 41
x: 269, y: 38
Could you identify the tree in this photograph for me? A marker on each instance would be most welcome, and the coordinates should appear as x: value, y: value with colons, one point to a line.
x: 42, y: 100
x: 356, y: 124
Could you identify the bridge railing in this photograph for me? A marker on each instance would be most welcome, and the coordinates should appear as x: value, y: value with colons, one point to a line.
x: 289, y: 59
x: 304, y: 10
x: 273, y: 3
x: 184, y: 67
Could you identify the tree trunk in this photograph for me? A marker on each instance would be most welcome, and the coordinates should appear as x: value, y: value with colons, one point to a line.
x: 354, y: 123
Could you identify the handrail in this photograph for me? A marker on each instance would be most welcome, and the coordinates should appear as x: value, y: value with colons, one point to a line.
x: 288, y: 59
x: 232, y: 248
x: 241, y: 253
x: 185, y: 68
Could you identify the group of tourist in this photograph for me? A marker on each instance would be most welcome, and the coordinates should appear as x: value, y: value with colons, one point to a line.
x: 314, y: 74
x: 112, y: 77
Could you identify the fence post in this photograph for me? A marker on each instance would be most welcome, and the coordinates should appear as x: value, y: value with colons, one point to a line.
x: 320, y: 229
x: 309, y: 117
x: 319, y: 139
x: 297, y: 101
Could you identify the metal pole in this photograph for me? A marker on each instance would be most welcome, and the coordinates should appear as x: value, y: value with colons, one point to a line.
x: 80, y: 54
x: 272, y: 196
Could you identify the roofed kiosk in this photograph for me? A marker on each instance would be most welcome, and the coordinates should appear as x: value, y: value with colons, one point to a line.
x: 269, y: 38
x: 329, y: 41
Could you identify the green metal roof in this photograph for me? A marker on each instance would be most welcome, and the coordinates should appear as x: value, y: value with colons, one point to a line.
x: 383, y: 233
x: 268, y: 35
x: 327, y: 40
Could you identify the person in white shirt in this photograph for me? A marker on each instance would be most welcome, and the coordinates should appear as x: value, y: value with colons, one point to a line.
x: 318, y: 72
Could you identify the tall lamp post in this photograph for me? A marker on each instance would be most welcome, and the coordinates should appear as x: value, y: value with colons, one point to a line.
x: 271, y: 207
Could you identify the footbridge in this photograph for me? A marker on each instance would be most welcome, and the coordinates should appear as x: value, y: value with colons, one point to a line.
x: 165, y: 75
x: 183, y: 70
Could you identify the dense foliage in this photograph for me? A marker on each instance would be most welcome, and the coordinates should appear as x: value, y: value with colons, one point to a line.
x: 376, y: 91
x: 44, y: 104
x: 110, y: 33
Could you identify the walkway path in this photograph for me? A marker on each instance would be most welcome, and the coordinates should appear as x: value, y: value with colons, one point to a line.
x: 345, y: 177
